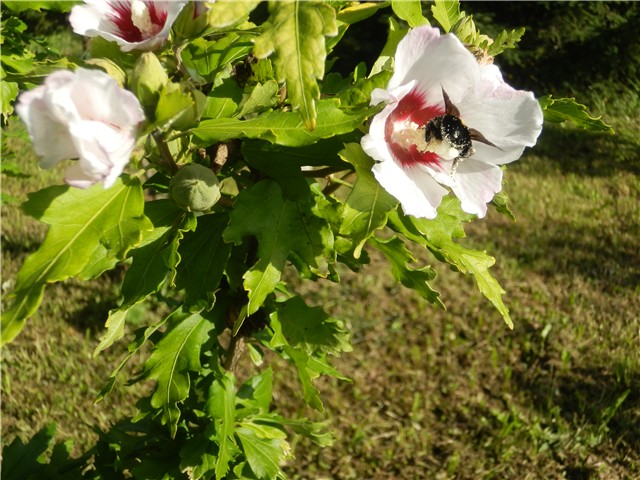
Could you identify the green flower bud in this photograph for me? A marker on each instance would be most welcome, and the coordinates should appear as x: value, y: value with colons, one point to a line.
x: 192, y: 20
x: 195, y: 188
x: 147, y: 79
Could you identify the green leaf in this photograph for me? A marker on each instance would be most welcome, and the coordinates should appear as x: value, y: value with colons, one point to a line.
x: 152, y: 259
x: 261, y: 98
x: 368, y: 204
x: 8, y: 93
x: 295, y: 33
x: 282, y: 227
x: 447, y: 13
x: 436, y: 235
x: 223, y: 100
x: 385, y: 61
x: 410, y: 11
x: 257, y: 392
x: 208, y: 61
x: 359, y: 11
x: 284, y: 128
x: 360, y: 93
x: 414, y: 278
x: 229, y: 13
x: 559, y: 110
x: 310, y: 328
x: 19, y: 460
x: 221, y: 407
x: 264, y: 455
x: 21, y: 5
x: 174, y: 356
x: 91, y: 230
x: 115, y: 329
x: 204, y: 255
x: 501, y: 203
x: 505, y: 39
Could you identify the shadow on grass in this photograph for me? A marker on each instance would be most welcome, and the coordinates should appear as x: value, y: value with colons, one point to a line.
x: 590, y: 396
x: 586, y: 153
x: 591, y: 252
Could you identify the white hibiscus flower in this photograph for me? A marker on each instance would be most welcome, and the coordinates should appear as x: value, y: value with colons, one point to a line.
x: 83, y: 115
x: 448, y: 122
x: 132, y: 24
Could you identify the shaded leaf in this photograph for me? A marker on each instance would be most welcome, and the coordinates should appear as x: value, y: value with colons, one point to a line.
x: 204, y: 255
x: 310, y: 328
x: 414, y: 278
x: 20, y: 460
x: 281, y: 226
x: 221, y: 406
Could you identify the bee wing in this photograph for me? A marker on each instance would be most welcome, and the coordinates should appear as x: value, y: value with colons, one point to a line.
x: 449, y: 107
x: 478, y: 137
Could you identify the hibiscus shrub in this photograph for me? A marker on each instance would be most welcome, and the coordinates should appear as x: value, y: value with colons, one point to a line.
x: 209, y: 151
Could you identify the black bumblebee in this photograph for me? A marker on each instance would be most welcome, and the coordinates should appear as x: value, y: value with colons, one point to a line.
x: 449, y: 132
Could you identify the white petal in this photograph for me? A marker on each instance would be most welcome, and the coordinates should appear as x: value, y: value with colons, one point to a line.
x: 475, y: 185
x: 435, y: 62
x: 418, y: 193
x: 104, y: 151
x: 510, y: 119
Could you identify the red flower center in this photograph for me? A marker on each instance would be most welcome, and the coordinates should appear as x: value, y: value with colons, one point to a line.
x: 412, y: 112
x: 123, y: 18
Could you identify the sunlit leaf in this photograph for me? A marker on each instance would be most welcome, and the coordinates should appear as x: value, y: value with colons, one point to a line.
x: 295, y: 34
x: 559, y: 110
x: 410, y: 11
x: 220, y: 406
x: 356, y: 12
x: 447, y: 13
x: 91, y: 230
x: 264, y: 455
x: 368, y: 204
x: 284, y: 128
x: 174, y: 356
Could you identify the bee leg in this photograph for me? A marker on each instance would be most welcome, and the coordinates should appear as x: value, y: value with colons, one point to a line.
x: 454, y: 166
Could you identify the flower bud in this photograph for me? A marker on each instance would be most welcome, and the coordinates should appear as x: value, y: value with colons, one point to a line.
x: 192, y: 21
x: 147, y: 79
x: 195, y: 188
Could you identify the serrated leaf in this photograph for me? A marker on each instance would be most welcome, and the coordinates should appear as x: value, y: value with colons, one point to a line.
x: 20, y: 461
x: 8, y: 93
x: 310, y: 328
x: 437, y: 238
x: 261, y: 98
x: 295, y: 33
x: 221, y: 407
x: 115, y: 330
x: 90, y: 231
x: 284, y: 128
x: 204, y: 255
x: 559, y: 110
x: 174, y: 356
x: 368, y: 204
x: 264, y: 455
x: 359, y: 94
x: 410, y: 11
x: 281, y: 226
x: 208, y: 61
x: 505, y: 39
x: 414, y: 278
x: 447, y: 13
x: 501, y: 203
